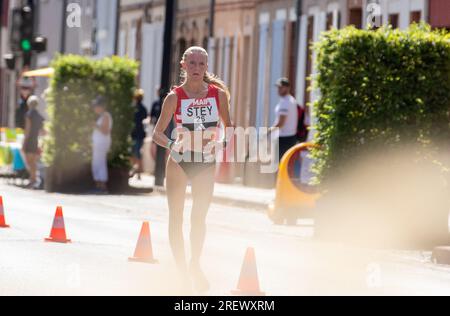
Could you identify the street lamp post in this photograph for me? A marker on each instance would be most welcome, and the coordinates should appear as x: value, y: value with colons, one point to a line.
x: 165, y: 86
x: 117, y: 27
x: 63, y: 28
x: 299, y: 13
x: 298, y: 26
x: 211, y: 18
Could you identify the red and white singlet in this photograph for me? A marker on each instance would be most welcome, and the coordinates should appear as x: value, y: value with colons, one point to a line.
x: 197, y: 114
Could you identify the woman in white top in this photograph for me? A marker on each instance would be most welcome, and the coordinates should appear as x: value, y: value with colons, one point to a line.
x: 101, y: 144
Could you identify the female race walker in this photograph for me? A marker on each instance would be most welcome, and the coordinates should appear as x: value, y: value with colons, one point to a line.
x: 198, y: 106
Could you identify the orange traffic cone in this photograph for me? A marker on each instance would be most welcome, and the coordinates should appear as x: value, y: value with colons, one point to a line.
x: 2, y: 215
x: 58, y: 233
x: 144, y: 249
x: 248, y: 281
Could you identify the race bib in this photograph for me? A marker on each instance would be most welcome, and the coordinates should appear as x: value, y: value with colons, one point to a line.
x: 199, y: 114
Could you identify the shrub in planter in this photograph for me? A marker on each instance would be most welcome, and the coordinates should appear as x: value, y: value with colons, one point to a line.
x: 382, y: 91
x: 383, y: 88
x: 76, y: 82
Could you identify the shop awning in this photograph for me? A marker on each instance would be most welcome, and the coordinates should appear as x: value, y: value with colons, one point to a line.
x: 44, y: 72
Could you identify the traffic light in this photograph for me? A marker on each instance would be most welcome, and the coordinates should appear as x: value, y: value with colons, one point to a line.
x: 40, y: 44
x: 22, y: 30
x: 27, y: 29
x: 10, y: 61
x: 22, y: 38
x: 15, y: 34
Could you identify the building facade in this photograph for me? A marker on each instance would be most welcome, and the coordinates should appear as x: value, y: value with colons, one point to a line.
x: 251, y: 42
x: 257, y: 41
x: 439, y: 13
x: 95, y: 36
x: 191, y: 29
x: 321, y: 15
x: 141, y: 38
x: 4, y: 73
x: 233, y: 47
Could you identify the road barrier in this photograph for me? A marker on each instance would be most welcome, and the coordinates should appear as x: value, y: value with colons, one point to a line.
x: 293, y: 199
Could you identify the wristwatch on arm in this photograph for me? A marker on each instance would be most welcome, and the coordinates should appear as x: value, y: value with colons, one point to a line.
x: 170, y: 144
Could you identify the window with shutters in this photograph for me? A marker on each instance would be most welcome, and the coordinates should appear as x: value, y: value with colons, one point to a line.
x: 393, y: 20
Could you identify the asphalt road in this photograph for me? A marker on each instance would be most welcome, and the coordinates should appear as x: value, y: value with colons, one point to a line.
x: 104, y: 230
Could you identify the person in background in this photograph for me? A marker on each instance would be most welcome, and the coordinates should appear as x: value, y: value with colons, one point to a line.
x: 155, y: 112
x: 287, y: 117
x: 25, y: 86
x: 101, y: 144
x: 33, y: 127
x: 42, y: 108
x: 153, y: 118
x: 138, y: 135
x: 26, y: 83
x: 22, y: 109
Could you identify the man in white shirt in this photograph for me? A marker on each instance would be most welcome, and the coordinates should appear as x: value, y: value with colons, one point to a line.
x: 287, y: 117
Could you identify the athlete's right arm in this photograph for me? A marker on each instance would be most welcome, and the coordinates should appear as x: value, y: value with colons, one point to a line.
x: 168, y: 110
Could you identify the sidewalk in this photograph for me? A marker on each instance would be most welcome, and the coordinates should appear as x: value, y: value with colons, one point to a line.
x: 228, y: 194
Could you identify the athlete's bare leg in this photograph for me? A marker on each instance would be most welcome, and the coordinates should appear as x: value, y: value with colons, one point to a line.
x: 176, y: 182
x: 202, y: 191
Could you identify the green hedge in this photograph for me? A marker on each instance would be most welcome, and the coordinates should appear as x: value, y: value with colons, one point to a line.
x: 76, y: 82
x: 379, y: 90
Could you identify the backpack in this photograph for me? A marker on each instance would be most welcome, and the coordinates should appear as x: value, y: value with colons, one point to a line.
x: 302, y: 129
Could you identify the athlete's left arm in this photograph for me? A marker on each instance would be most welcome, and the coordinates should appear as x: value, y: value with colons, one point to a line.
x: 224, y: 109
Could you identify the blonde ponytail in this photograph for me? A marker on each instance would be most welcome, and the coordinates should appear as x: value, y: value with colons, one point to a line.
x: 219, y: 83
